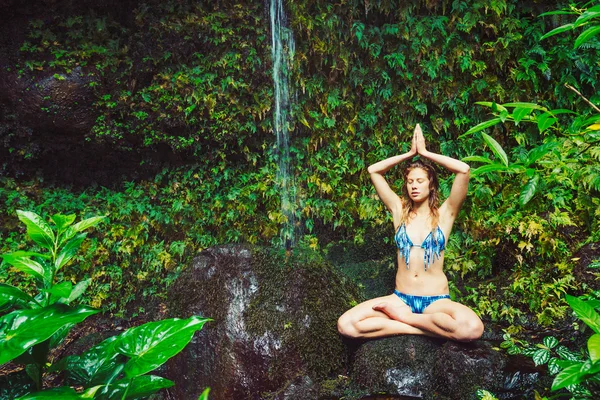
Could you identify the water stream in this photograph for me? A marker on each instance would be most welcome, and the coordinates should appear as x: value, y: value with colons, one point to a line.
x: 282, y: 51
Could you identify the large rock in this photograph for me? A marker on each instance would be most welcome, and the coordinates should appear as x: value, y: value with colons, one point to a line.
x: 274, y: 331
x: 273, y: 336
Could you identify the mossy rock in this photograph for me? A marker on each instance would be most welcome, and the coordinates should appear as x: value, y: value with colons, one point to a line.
x: 274, y: 325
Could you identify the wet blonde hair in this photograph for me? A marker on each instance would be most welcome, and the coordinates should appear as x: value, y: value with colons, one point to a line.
x: 434, y: 196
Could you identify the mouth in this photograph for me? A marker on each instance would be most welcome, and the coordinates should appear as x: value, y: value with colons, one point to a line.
x: 414, y: 193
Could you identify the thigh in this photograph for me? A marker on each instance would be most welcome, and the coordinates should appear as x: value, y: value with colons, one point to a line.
x: 365, y: 309
x: 455, y: 310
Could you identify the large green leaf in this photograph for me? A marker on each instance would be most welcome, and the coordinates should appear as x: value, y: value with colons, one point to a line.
x: 22, y: 329
x: 38, y: 230
x: 558, y: 12
x: 521, y: 112
x: 69, y: 250
x: 496, y: 148
x: 152, y: 344
x: 62, y: 221
x: 489, y: 168
x: 204, y: 395
x: 586, y: 35
x: 528, y: 190
x: 10, y: 295
x: 556, y: 31
x: 494, y: 106
x: 136, y: 388
x: 589, y: 14
x: 545, y: 121
x: 538, y: 152
x: 481, y: 126
x: 28, y: 266
x: 568, y: 376
x: 585, y: 312
x: 593, y: 345
x: 78, y: 290
x: 80, y: 226
x: 94, y: 366
x: 477, y: 159
x: 525, y: 105
x: 62, y: 393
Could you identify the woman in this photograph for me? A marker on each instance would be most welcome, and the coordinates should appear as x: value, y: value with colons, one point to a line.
x: 420, y: 305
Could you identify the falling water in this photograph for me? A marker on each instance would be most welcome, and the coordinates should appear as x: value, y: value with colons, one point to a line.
x: 282, y: 51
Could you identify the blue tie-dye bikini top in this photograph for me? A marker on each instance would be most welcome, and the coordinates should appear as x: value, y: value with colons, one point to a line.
x: 433, y: 246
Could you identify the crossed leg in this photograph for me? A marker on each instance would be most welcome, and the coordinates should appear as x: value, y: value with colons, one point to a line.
x: 388, y: 315
x: 363, y: 321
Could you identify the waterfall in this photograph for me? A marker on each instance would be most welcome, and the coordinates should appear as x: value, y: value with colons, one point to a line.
x: 282, y: 51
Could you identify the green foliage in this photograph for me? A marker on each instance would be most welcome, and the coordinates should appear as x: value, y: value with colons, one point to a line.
x: 193, y: 78
x: 578, y: 372
x: 32, y: 325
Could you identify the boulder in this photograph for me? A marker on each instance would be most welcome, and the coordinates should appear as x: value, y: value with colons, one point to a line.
x: 273, y: 333
x: 273, y: 336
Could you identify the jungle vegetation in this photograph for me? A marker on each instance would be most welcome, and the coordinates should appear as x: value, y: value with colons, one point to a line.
x: 193, y: 79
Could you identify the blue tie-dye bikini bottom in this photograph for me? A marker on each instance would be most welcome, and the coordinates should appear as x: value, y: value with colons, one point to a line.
x: 418, y: 303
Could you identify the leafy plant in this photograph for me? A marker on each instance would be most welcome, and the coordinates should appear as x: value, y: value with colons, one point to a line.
x: 578, y: 372
x: 32, y: 325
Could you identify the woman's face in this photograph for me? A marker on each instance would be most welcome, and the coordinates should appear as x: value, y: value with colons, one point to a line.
x: 417, y: 185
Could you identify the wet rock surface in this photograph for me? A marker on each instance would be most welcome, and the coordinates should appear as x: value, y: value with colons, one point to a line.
x: 425, y: 368
x: 274, y: 337
x: 274, y: 331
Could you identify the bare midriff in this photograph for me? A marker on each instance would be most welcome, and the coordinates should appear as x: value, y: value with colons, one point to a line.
x: 416, y: 281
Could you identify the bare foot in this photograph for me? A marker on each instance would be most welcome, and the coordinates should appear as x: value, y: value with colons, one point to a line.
x: 399, y: 313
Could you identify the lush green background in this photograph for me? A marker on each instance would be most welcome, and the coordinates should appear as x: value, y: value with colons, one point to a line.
x: 192, y: 79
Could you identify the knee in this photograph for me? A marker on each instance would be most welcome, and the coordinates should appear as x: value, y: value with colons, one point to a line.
x: 471, y: 329
x: 346, y: 327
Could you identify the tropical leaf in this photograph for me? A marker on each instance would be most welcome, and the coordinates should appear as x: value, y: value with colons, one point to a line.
x: 95, y: 366
x: 80, y: 226
x: 541, y: 356
x: 545, y: 121
x: 78, y: 290
x: 481, y: 126
x: 586, y: 35
x: 558, y: 12
x: 22, y: 329
x: 520, y: 104
x: 489, y: 168
x: 37, y: 229
x: 62, y: 221
x: 556, y: 31
x: 204, y: 395
x: 590, y: 13
x: 593, y: 345
x: 496, y: 148
x: 477, y: 159
x: 59, y: 291
x: 62, y: 393
x: 520, y: 112
x: 152, y: 344
x: 550, y: 342
x: 69, y: 250
x: 585, y: 312
x: 494, y: 106
x: 10, y: 295
x: 568, y: 376
x: 538, y: 152
x: 28, y: 266
x: 136, y: 388
x: 528, y: 190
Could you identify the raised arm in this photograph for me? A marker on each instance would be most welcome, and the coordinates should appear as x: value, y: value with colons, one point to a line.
x: 377, y: 170
x: 461, y: 170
